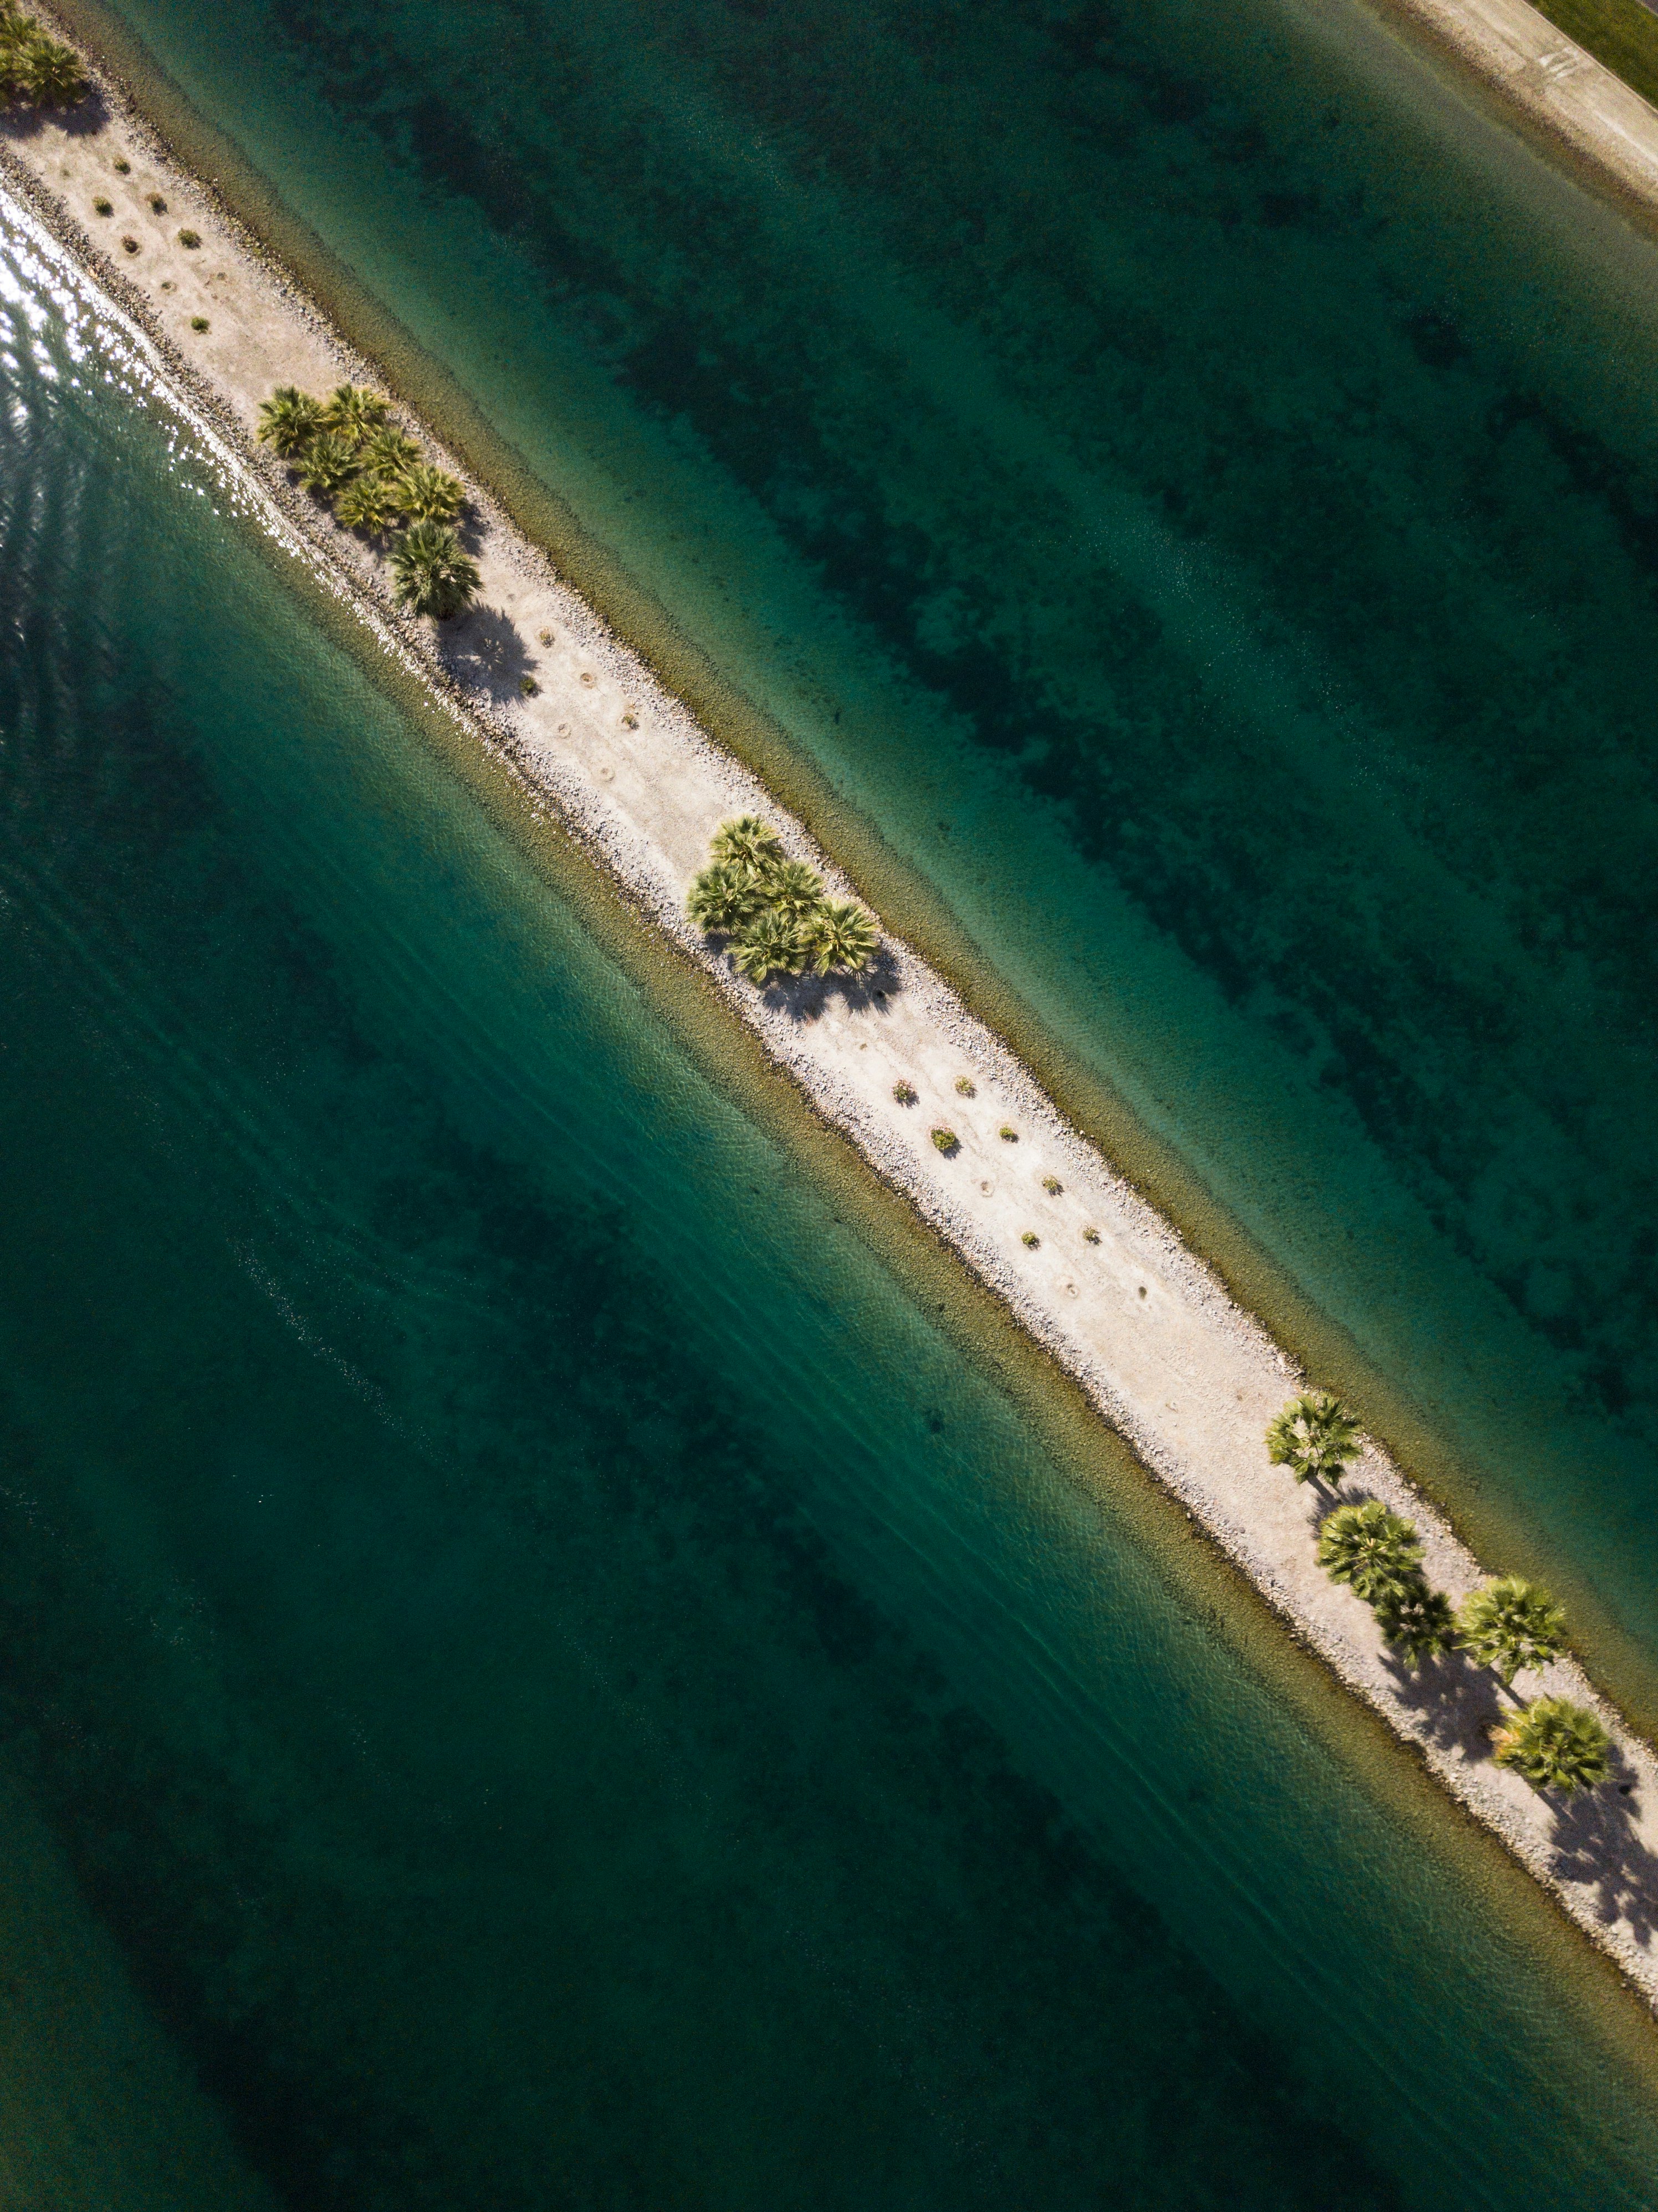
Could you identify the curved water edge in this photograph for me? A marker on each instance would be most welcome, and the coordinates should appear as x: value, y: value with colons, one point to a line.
x: 1409, y: 1394
x: 1262, y: 1529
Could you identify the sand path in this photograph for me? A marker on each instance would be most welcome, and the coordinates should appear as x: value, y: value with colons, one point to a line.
x: 1149, y: 1331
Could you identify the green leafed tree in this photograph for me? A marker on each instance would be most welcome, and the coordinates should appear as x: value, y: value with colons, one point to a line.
x: 428, y: 495
x: 326, y: 463
x: 1556, y: 1745
x: 794, y: 890
x: 367, y: 504
x: 289, y: 421
x: 431, y: 571
x: 771, y: 945
x: 1511, y: 1624
x: 388, y: 451
x: 46, y: 73
x: 1370, y: 1549
x: 724, y: 897
x: 1315, y: 1437
x: 1419, y: 1623
x: 354, y: 413
x: 842, y: 936
x: 748, y: 843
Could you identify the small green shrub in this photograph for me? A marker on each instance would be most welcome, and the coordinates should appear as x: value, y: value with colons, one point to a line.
x: 946, y: 1140
x: 104, y: 207
x: 189, y: 238
x: 123, y: 169
x: 199, y: 323
x: 527, y: 687
x: 967, y: 1086
x: 1031, y: 1238
x: 1090, y: 1236
x: 1008, y: 1134
x: 129, y: 245
x: 905, y: 1093
x: 1052, y: 1185
x: 157, y: 205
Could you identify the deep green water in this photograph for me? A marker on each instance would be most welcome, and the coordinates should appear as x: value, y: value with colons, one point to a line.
x: 1191, y: 487
x: 563, y: 1685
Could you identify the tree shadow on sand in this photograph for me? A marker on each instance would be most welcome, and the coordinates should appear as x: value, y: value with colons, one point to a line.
x: 1594, y: 1845
x: 483, y: 649
x: 808, y: 998
x: 84, y: 121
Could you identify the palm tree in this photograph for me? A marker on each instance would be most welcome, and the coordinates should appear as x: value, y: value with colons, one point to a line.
x: 1556, y: 1745
x: 793, y: 889
x: 47, y: 73
x: 1416, y: 1620
x: 1511, y: 1624
x: 1369, y: 1548
x: 1315, y: 1437
x: 428, y: 495
x: 842, y: 936
x: 389, y: 451
x: 327, y: 462
x: 354, y: 412
x: 751, y: 842
x: 433, y: 573
x: 289, y: 421
x: 366, y: 503
x: 771, y: 945
x: 725, y: 899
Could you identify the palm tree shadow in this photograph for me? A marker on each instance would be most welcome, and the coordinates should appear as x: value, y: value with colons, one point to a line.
x: 808, y: 998
x: 1594, y: 1845
x: 484, y: 651
x: 84, y: 121
x: 1456, y: 1703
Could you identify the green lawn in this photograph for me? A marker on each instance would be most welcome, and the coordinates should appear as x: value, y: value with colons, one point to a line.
x: 1621, y: 33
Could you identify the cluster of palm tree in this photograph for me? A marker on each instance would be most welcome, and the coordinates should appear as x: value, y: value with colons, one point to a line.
x: 1509, y: 1625
x: 346, y: 451
x: 35, y: 69
x: 777, y: 909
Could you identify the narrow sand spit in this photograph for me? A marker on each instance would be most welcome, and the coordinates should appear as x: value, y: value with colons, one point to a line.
x: 1146, y: 1328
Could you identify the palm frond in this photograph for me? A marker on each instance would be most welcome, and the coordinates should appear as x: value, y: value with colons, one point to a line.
x: 428, y: 495
x: 1555, y: 1745
x: 327, y: 462
x: 724, y: 897
x: 431, y: 573
x: 1416, y: 1620
x: 749, y: 842
x: 1511, y: 1624
x: 354, y: 412
x: 843, y: 935
x: 771, y: 945
x: 388, y: 451
x: 289, y: 421
x: 793, y: 889
x: 1315, y: 1437
x: 1369, y: 1548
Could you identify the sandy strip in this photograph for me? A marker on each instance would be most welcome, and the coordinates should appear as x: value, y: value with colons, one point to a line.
x: 1148, y: 1330
x: 1560, y: 87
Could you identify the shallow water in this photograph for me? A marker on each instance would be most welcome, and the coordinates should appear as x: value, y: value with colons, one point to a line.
x: 1189, y: 486
x: 564, y: 1685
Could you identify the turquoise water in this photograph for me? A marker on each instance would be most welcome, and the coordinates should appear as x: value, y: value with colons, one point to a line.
x: 564, y: 1686
x: 1188, y: 486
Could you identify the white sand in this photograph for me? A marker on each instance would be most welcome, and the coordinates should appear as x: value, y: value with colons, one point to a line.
x: 1189, y: 1378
